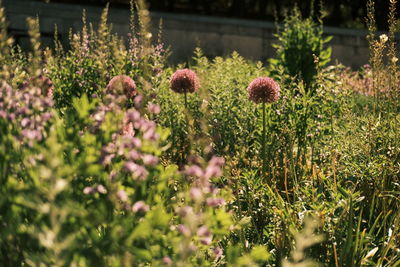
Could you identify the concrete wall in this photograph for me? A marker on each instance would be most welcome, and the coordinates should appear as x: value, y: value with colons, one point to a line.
x: 216, y: 36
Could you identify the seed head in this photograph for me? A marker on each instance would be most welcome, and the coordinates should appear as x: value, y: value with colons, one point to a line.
x: 263, y: 90
x: 184, y: 81
x: 122, y: 84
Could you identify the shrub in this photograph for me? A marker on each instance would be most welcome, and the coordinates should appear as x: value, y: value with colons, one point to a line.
x: 300, y: 49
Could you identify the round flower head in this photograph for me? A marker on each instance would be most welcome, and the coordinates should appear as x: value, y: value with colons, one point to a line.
x: 122, y: 84
x: 263, y: 90
x: 184, y: 81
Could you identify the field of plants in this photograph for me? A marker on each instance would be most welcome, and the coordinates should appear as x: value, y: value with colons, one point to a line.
x: 111, y: 157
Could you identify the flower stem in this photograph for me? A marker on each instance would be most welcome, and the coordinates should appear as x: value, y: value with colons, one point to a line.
x: 186, y: 141
x: 264, y: 166
x: 186, y: 101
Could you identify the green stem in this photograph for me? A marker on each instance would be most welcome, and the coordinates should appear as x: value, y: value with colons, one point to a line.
x: 264, y: 165
x: 186, y: 141
x: 186, y: 101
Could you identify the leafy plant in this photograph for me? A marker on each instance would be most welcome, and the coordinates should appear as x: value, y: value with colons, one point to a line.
x: 300, y: 49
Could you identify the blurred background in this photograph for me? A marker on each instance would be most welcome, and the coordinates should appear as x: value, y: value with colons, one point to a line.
x: 219, y: 27
x: 339, y: 13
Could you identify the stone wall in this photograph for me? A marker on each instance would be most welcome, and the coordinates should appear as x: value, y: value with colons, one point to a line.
x: 216, y: 36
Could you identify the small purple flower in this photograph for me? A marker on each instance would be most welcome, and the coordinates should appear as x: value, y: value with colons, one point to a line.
x: 112, y: 175
x: 25, y: 122
x: 138, y: 101
x: 3, y: 114
x: 218, y: 252
x: 184, y: 81
x: 136, y: 142
x: 151, y: 135
x: 121, y: 194
x: 130, y: 166
x: 194, y: 170
x: 196, y: 194
x: 32, y: 134
x: 203, y: 231
x: 263, y: 89
x: 11, y: 116
x: 212, y: 171
x: 217, y: 161
x: 206, y: 240
x: 154, y: 108
x: 215, y: 202
x: 132, y: 115
x: 150, y: 160
x: 89, y: 190
x: 133, y: 155
x: 101, y: 189
x: 184, y: 230
x: 138, y: 172
x: 192, y: 248
x: 140, y: 206
x: 167, y: 260
x: 184, y: 211
x: 147, y: 126
x: 46, y: 116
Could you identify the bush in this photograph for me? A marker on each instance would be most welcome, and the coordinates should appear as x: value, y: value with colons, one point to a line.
x: 300, y: 49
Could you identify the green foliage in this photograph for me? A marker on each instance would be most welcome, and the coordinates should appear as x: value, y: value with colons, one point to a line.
x: 300, y: 49
x: 89, y: 178
x: 95, y: 56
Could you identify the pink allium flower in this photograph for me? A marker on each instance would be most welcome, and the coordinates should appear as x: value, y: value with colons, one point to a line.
x: 263, y: 90
x: 122, y: 84
x: 184, y: 81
